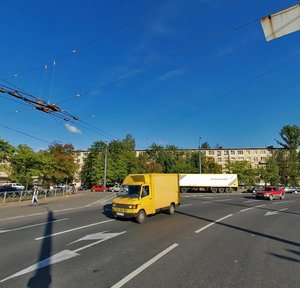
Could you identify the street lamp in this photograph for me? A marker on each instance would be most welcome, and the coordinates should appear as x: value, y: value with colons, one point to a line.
x: 199, y: 150
x: 105, y: 165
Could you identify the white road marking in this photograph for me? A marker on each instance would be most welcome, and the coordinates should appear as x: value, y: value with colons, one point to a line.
x: 101, y: 201
x: 143, y: 267
x: 74, y: 229
x: 182, y: 205
x: 275, y: 212
x: 33, y: 225
x: 61, y: 256
x: 207, y: 226
x: 247, y: 209
x: 282, y: 202
x: 217, y: 201
x: 58, y: 210
x: 248, y: 201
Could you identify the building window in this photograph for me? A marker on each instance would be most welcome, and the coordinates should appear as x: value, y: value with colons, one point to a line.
x: 219, y: 159
x: 255, y: 159
x: 232, y: 158
x: 232, y: 152
x: 226, y: 152
x: 241, y: 158
x: 248, y: 159
x: 211, y: 153
x: 240, y: 152
x: 218, y: 153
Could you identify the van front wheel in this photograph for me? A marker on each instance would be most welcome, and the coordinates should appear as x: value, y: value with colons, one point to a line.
x: 140, y: 217
x: 171, y: 209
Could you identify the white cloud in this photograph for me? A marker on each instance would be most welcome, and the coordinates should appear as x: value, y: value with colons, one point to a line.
x: 73, y: 129
x: 170, y: 74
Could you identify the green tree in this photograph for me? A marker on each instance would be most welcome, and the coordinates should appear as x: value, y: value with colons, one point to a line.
x: 24, y: 164
x: 63, y: 161
x: 288, y: 160
x: 245, y: 173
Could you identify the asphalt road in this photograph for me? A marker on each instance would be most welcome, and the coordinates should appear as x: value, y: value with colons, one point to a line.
x: 213, y: 240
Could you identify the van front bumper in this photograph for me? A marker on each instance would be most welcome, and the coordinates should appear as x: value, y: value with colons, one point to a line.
x: 124, y: 213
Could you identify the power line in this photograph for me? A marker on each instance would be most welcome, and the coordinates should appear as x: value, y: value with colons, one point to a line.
x: 176, y: 51
x: 39, y: 104
x: 26, y: 134
x: 246, y: 83
x: 106, y: 35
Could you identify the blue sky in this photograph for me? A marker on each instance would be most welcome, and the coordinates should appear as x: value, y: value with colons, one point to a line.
x: 166, y: 72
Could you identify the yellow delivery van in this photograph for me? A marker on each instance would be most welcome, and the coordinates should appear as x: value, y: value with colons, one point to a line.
x: 141, y: 195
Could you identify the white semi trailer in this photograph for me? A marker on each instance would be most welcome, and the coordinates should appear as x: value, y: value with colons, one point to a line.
x: 208, y: 183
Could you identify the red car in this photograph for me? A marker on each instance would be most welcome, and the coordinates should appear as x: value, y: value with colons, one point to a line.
x: 99, y: 188
x: 271, y: 192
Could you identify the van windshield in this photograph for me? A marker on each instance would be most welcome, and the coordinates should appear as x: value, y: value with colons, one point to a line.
x: 129, y: 191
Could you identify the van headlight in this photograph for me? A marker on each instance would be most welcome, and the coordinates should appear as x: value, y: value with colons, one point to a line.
x: 132, y: 206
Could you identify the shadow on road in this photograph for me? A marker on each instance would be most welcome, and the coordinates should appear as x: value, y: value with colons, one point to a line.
x: 274, y: 238
x: 42, y: 277
x: 107, y: 211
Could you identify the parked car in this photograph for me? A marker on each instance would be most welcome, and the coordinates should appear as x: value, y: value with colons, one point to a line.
x: 85, y: 187
x: 99, y: 188
x: 10, y: 190
x: 17, y: 186
x: 290, y: 189
x: 271, y: 192
x: 115, y: 188
x: 254, y: 189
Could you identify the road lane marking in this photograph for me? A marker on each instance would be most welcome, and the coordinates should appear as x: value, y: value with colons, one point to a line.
x: 247, y: 209
x: 74, y: 229
x: 283, y: 202
x: 217, y: 201
x: 182, y: 205
x: 143, y: 267
x: 63, y: 255
x: 275, y: 212
x: 248, y: 201
x: 33, y: 225
x: 101, y: 201
x: 208, y: 225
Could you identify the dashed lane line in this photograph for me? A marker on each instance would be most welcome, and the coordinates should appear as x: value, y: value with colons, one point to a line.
x: 209, y: 225
x: 133, y: 274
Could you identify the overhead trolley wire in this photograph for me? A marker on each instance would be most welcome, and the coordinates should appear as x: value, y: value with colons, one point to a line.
x: 238, y: 87
x: 176, y: 51
x: 82, y: 47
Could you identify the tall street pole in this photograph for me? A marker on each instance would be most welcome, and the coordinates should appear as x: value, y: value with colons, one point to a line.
x: 105, y: 166
x: 199, y: 150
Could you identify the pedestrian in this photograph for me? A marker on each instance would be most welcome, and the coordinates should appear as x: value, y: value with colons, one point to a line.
x: 35, y: 195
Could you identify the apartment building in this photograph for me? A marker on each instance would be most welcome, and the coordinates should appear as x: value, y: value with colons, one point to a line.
x: 255, y: 156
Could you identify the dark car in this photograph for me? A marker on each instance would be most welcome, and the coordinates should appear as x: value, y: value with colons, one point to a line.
x: 9, y: 189
x: 270, y: 192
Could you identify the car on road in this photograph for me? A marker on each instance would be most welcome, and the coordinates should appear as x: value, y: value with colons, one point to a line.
x: 290, y: 189
x: 115, y: 188
x: 99, y: 188
x: 270, y: 192
x: 254, y: 189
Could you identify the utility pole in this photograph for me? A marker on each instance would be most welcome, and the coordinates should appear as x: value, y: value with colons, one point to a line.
x: 199, y: 151
x: 105, y: 165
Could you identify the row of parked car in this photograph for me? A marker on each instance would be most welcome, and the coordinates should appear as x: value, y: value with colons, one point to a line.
x: 101, y: 188
x: 11, y: 187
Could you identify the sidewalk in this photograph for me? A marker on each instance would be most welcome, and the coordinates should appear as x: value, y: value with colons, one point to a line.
x: 19, y: 209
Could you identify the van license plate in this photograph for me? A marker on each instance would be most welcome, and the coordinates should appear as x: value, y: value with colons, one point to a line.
x: 120, y: 214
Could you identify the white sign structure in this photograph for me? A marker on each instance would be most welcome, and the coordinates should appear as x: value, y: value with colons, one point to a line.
x: 66, y: 254
x: 281, y: 23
